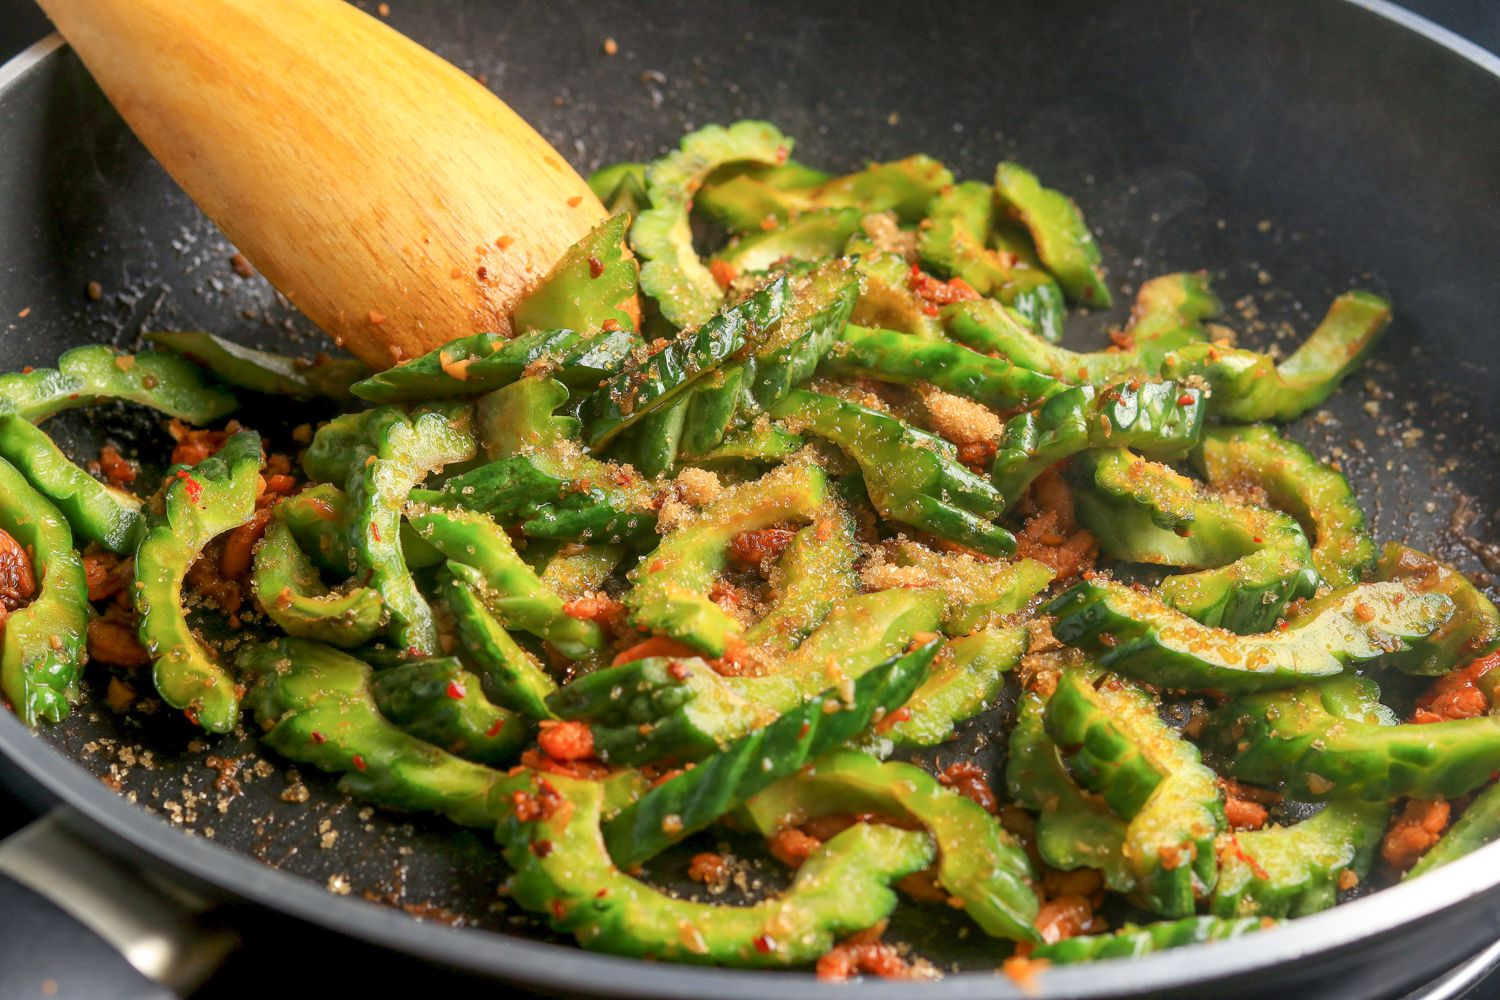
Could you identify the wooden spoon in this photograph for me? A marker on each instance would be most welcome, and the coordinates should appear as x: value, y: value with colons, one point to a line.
x: 386, y: 193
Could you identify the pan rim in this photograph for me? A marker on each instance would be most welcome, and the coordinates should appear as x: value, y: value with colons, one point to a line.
x: 566, y: 967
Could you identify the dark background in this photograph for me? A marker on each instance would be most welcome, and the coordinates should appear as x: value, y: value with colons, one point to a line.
x: 343, y: 965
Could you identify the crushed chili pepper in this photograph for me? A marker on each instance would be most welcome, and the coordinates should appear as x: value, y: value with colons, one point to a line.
x: 1457, y: 695
x: 972, y: 782
x: 566, y: 741
x: 760, y: 546
x: 1413, y: 832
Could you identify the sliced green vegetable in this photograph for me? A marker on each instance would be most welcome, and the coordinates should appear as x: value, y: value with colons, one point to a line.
x: 1062, y: 238
x: 1259, y: 559
x: 1296, y: 482
x: 689, y: 801
x: 1247, y: 387
x: 1304, y: 738
x: 94, y: 373
x: 954, y: 242
x: 899, y: 357
x: 811, y: 236
x: 747, y: 201
x: 199, y: 503
x: 264, y: 371
x: 648, y: 383
x: 979, y: 864
x: 588, y: 287
x: 563, y: 870
x: 1116, y: 744
x: 1135, y: 634
x: 398, y: 450
x: 42, y: 644
x: 967, y: 677
x: 1134, y: 940
x: 1074, y: 828
x: 480, y: 553
x: 484, y: 362
x: 1291, y: 871
x: 1162, y: 419
x: 684, y: 289
x: 290, y: 591
x: 911, y: 476
x: 669, y: 593
x: 440, y: 702
x: 812, y: 577
x: 1472, y: 632
x: 94, y: 511
x: 512, y: 676
x: 315, y: 706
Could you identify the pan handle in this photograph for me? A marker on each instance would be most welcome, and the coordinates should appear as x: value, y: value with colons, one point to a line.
x: 79, y: 922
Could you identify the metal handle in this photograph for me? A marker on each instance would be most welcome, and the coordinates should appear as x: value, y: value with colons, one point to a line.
x: 166, y: 934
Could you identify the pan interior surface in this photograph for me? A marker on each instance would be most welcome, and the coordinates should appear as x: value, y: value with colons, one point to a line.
x: 1294, y: 150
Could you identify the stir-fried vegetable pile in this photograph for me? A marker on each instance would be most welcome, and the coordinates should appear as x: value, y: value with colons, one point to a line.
x: 599, y: 588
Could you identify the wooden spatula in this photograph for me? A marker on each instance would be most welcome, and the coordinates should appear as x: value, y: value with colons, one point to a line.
x: 387, y: 194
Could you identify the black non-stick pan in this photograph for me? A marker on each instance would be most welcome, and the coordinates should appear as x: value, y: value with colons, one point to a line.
x: 1294, y: 147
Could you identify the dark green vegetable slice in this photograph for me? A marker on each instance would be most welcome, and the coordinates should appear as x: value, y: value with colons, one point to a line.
x: 289, y: 590
x: 480, y: 553
x: 954, y: 242
x: 966, y: 678
x: 811, y: 236
x: 1291, y: 871
x: 1162, y: 419
x: 1144, y: 512
x: 1472, y: 632
x: 1074, y: 828
x: 748, y: 200
x: 264, y: 371
x: 1247, y: 387
x: 684, y: 289
x: 42, y: 644
x: 899, y: 357
x: 484, y: 362
x: 95, y: 512
x: 1133, y: 941
x: 199, y: 503
x: 651, y: 382
x: 691, y: 800
x: 94, y: 373
x: 513, y: 677
x: 397, y: 452
x: 1304, y: 738
x: 587, y: 289
x: 669, y: 592
x: 1151, y: 777
x: 315, y: 706
x: 1062, y: 238
x: 1296, y: 482
x: 1135, y: 634
x: 979, y: 864
x: 563, y: 870
x: 911, y: 476
x: 440, y: 702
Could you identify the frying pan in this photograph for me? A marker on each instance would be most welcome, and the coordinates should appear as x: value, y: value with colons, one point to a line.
x: 1295, y: 148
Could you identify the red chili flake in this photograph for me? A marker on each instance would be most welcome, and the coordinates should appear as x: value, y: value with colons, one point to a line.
x: 679, y: 670
x: 1255, y: 539
x: 575, y: 201
x: 192, y: 715
x: 602, y: 893
x: 375, y: 531
x: 596, y: 267
x: 610, y: 325
x: 456, y: 691
x: 541, y: 848
x: 765, y: 944
x: 413, y: 651
x: 801, y: 733
x: 193, y: 487
x: 559, y: 909
x: 495, y: 728
x: 318, y: 737
x: 1186, y: 399
x: 359, y: 763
